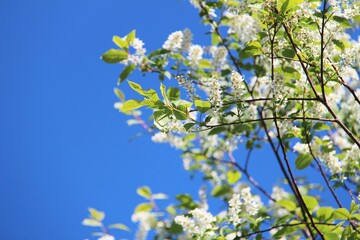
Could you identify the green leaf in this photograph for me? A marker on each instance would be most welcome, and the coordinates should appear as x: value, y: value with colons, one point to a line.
x: 144, y: 207
x: 288, y: 52
x: 188, y: 126
x: 353, y: 207
x: 144, y: 191
x: 251, y: 49
x: 119, y: 226
x: 163, y: 92
x: 205, y: 63
x: 120, y: 42
x: 130, y: 37
x: 158, y: 52
x: 202, y: 106
x: 114, y: 56
x: 175, y: 228
x: 342, y: 21
x: 291, y: 72
x: 97, y: 215
x: 91, y: 222
x: 215, y: 39
x: 233, y: 176
x: 310, y: 202
x: 340, y: 214
x: 186, y: 201
x: 324, y: 213
x: 173, y: 93
x: 216, y: 130
x: 286, y: 5
x: 126, y: 72
x: 130, y: 105
x: 287, y: 204
x: 162, y: 118
x: 303, y: 160
x: 219, y: 191
x: 331, y: 236
x: 119, y: 94
x: 180, y: 112
x: 146, y: 93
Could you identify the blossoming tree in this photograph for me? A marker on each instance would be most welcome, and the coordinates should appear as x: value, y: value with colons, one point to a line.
x: 282, y: 73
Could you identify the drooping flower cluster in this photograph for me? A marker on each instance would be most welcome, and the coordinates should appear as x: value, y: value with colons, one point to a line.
x: 215, y: 97
x: 219, y: 55
x: 188, y: 85
x: 195, y: 55
x: 201, y: 223
x: 244, y: 26
x: 241, y: 205
x: 174, y: 41
x: 238, y: 87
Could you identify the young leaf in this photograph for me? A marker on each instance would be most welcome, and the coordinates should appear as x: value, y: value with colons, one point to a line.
x: 130, y: 105
x: 303, y: 160
x: 144, y: 191
x: 130, y: 37
x: 233, y: 177
x: 251, y: 49
x: 287, y: 204
x: 144, y: 207
x: 120, y: 42
x: 173, y: 93
x: 340, y: 214
x: 91, y: 222
x: 97, y: 215
x: 119, y: 226
x: 114, y: 56
x: 202, y: 106
x: 126, y: 72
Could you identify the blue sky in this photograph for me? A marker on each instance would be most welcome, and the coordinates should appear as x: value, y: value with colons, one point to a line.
x: 63, y: 147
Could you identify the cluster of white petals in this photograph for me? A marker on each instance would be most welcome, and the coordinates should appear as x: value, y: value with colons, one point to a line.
x: 195, y: 55
x: 237, y: 83
x: 241, y: 204
x: 201, y: 223
x: 215, y: 92
x: 174, y: 41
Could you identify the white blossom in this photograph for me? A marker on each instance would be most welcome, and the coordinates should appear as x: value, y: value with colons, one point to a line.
x: 215, y: 93
x: 201, y: 222
x: 174, y: 41
x: 195, y: 55
x: 238, y: 87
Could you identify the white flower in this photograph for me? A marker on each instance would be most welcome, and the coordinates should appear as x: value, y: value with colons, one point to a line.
x: 174, y: 41
x: 243, y: 203
x: 219, y: 55
x: 137, y: 57
x: 106, y: 237
x: 195, y: 55
x: 215, y: 93
x: 200, y: 223
x: 237, y: 85
x: 301, y: 148
x: 187, y: 37
x: 244, y: 26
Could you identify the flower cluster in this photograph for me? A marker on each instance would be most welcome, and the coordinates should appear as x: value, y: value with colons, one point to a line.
x: 174, y: 41
x: 195, y: 55
x: 201, y: 223
x: 238, y: 87
x: 139, y: 55
x: 215, y: 93
x: 243, y: 204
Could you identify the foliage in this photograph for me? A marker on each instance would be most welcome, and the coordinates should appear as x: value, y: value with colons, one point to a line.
x: 278, y: 73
